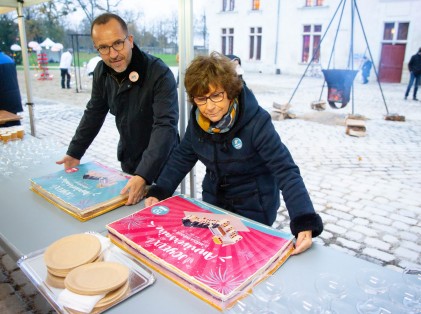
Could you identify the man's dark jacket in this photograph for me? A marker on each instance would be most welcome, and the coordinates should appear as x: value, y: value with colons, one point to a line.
x: 146, y: 115
x: 414, y: 64
x: 245, y: 169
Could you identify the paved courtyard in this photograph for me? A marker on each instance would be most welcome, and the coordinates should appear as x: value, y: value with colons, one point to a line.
x: 365, y: 188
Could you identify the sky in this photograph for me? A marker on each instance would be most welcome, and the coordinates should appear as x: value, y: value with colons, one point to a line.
x: 153, y: 9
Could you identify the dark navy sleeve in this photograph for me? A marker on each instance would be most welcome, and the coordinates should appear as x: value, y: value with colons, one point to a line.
x: 281, y: 164
x: 181, y: 161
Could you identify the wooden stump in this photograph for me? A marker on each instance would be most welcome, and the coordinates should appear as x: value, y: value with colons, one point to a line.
x: 355, y: 125
x: 281, y: 112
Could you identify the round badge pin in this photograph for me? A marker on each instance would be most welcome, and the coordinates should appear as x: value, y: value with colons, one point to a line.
x: 160, y: 210
x: 133, y: 76
x: 237, y: 143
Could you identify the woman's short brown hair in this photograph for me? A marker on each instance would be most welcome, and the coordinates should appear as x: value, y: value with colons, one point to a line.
x: 216, y: 70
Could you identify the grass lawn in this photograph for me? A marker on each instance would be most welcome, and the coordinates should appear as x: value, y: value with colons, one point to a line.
x: 169, y: 59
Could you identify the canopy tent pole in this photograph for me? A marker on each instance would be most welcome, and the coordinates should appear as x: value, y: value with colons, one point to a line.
x: 25, y: 60
x: 186, y: 51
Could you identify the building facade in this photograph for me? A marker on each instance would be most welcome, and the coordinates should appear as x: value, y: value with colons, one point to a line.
x: 285, y: 36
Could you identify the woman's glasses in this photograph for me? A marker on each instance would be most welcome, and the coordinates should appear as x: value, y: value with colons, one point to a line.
x: 215, y: 97
x: 117, y: 46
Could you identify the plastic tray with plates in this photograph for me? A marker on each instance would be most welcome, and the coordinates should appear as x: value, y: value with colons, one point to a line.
x: 140, y: 277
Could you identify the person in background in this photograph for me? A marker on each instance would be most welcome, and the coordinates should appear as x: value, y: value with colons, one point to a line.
x: 366, y: 68
x: 177, y: 59
x: 246, y: 162
x: 90, y: 67
x: 237, y: 61
x: 65, y: 66
x: 414, y: 67
x: 140, y: 91
x: 10, y: 99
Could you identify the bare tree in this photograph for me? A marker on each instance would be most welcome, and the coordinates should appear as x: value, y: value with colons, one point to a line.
x: 173, y: 27
x: 93, y: 7
x: 201, y: 28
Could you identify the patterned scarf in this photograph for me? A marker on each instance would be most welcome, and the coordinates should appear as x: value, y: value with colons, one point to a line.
x: 223, y: 125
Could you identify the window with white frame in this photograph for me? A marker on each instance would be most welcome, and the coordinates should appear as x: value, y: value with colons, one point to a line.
x: 311, y: 41
x: 395, y: 31
x: 228, y: 5
x: 255, y: 48
x: 255, y: 5
x: 227, y: 41
x: 313, y: 3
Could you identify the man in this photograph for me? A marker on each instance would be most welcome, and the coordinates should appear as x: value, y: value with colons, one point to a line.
x: 414, y: 67
x: 10, y: 99
x: 140, y: 90
x: 366, y: 68
x: 65, y: 65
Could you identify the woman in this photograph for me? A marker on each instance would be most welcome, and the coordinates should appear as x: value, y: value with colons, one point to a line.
x: 246, y: 162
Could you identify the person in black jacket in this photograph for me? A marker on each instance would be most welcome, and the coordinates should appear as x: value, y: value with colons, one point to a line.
x: 414, y: 67
x: 141, y: 92
x: 246, y: 162
x: 10, y: 99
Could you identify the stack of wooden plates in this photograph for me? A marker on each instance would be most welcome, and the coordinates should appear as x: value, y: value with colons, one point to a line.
x: 109, y: 278
x: 68, y: 253
x: 74, y: 263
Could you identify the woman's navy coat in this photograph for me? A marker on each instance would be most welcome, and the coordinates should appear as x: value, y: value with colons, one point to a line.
x: 245, y: 169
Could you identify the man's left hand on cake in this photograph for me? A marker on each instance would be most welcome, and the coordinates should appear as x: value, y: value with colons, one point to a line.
x: 136, y: 187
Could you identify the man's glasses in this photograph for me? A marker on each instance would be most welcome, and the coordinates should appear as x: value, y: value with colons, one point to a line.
x: 117, y: 46
x: 215, y: 97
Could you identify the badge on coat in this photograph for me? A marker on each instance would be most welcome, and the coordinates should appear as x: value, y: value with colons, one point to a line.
x: 237, y: 143
x: 133, y: 76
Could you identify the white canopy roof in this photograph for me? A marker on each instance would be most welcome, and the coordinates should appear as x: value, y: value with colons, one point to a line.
x: 15, y: 47
x: 47, y: 43
x: 10, y: 5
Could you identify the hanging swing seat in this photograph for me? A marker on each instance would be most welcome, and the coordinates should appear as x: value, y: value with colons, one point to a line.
x: 318, y: 105
x: 394, y: 117
x: 339, y: 83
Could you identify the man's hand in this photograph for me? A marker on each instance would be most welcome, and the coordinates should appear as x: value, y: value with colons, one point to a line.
x: 151, y: 201
x: 304, y: 241
x: 136, y: 187
x: 69, y: 162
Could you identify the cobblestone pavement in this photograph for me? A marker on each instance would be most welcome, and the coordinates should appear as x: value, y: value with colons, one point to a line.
x: 365, y: 188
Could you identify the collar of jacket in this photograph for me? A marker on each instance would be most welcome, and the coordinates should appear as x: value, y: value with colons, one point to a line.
x: 137, y: 64
x: 248, y: 106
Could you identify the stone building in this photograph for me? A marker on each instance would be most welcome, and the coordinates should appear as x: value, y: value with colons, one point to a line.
x: 282, y: 36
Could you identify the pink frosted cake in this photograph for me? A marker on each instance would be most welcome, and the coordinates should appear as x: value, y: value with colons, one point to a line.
x: 212, y: 253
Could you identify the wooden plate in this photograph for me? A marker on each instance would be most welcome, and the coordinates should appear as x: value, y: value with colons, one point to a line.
x: 72, y: 251
x: 97, y: 278
x: 63, y: 273
x: 113, y: 296
x: 54, y: 281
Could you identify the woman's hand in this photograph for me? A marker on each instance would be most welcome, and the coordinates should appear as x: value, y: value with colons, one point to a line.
x: 151, y: 201
x: 304, y: 241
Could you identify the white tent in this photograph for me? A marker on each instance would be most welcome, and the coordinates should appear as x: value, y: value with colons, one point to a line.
x: 47, y: 43
x: 57, y: 47
x: 5, y: 7
x: 34, y: 45
x: 15, y: 47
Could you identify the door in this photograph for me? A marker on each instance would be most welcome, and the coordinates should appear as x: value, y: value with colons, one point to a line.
x: 391, y: 63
